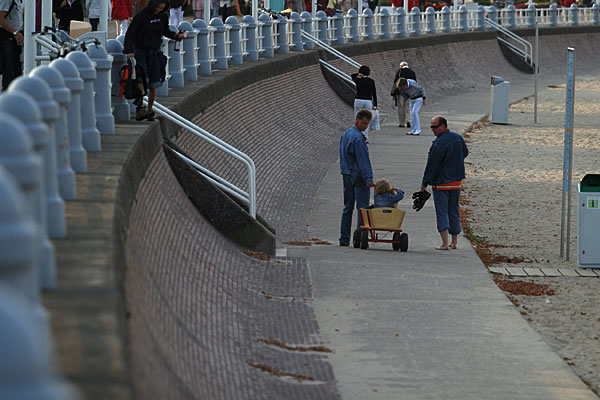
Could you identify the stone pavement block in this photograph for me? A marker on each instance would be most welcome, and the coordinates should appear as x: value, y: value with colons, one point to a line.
x: 516, y: 271
x: 588, y: 272
x: 551, y: 272
x: 498, y: 270
x: 533, y: 271
x: 568, y: 272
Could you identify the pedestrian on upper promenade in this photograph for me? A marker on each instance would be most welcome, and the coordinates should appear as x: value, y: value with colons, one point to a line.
x: 386, y: 195
x: 357, y: 174
x: 142, y: 41
x: 93, y: 9
x: 401, y: 98
x: 67, y: 11
x: 176, y: 11
x: 121, y: 13
x: 366, y: 94
x: 11, y: 40
x: 445, y: 171
x: 417, y: 98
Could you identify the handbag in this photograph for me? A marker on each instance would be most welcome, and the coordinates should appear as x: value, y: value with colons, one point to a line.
x: 395, y: 91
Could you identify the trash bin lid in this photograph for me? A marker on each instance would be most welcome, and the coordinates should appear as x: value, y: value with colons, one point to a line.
x: 496, y: 80
x: 590, y: 183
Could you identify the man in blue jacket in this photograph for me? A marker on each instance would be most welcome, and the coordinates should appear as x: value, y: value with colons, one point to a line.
x: 444, y: 172
x: 357, y: 174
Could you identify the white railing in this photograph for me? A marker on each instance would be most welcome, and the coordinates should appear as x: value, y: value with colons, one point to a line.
x: 249, y: 196
x: 519, y: 45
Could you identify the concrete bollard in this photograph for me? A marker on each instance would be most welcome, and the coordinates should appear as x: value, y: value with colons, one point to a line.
x: 385, y: 24
x: 338, y: 33
x: 121, y: 39
x: 219, y: 51
x: 321, y: 18
x: 531, y: 16
x: 190, y: 52
x: 553, y: 14
x: 493, y: 16
x: 105, y: 122
x: 282, y: 35
x: 297, y: 43
x: 463, y: 25
x: 163, y: 90
x: 573, y: 15
x: 204, y: 67
x: 307, y: 27
x: 121, y: 110
x: 267, y: 35
x: 74, y: 83
x: 481, y: 18
x: 90, y: 135
x: 175, y: 62
x: 399, y: 25
x: 18, y: 158
x: 511, y: 18
x: 26, y: 365
x: 595, y: 14
x: 39, y: 90
x: 430, y: 21
x: 250, y: 38
x: 446, y: 25
x: 368, y: 17
x: 23, y: 108
x: 235, y: 49
x: 415, y: 20
x: 354, y: 35
x: 62, y: 96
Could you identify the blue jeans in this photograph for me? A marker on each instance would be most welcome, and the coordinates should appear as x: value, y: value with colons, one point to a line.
x: 356, y: 193
x: 446, y: 210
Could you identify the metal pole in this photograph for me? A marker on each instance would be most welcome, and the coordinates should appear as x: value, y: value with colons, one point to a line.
x: 568, y: 155
x: 255, y: 10
x: 46, y: 13
x: 314, y: 8
x: 29, y: 46
x: 535, y: 74
x: 104, y: 17
x: 206, y: 14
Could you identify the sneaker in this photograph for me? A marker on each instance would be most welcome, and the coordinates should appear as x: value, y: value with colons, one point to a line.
x: 344, y: 244
x: 150, y: 116
x: 408, y: 124
x: 140, y: 113
x: 416, y: 133
x: 409, y: 133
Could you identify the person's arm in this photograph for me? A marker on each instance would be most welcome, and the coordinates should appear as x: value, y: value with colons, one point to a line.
x: 133, y: 30
x: 374, y: 94
x: 166, y: 31
x: 432, y: 167
x: 398, y: 196
x: 364, y: 163
x: 465, y: 149
x: 9, y: 28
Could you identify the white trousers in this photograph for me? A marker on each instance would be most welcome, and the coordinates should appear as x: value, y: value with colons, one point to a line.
x: 415, y: 106
x: 176, y: 16
x: 360, y: 104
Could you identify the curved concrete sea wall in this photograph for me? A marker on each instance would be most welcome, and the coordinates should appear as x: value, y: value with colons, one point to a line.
x: 204, y: 320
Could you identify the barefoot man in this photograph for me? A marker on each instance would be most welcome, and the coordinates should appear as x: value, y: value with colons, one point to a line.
x: 444, y: 172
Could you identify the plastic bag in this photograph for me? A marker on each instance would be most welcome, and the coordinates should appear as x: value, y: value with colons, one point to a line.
x: 375, y: 125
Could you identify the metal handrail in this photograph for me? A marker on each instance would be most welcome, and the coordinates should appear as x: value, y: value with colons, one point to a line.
x: 337, y: 72
x: 330, y: 49
x: 526, y: 52
x: 250, y: 196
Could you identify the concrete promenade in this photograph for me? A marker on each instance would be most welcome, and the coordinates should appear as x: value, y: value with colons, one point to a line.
x: 424, y: 324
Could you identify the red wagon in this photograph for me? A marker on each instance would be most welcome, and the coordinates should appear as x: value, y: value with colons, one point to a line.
x: 378, y: 220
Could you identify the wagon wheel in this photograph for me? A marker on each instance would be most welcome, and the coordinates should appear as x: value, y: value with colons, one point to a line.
x: 396, y: 238
x: 364, y: 239
x: 404, y: 242
x: 356, y: 239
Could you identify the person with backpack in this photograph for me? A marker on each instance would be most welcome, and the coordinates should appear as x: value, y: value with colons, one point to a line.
x: 142, y: 41
x: 11, y: 40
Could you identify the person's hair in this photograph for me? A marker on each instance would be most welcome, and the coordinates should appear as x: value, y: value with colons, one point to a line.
x: 403, y: 64
x: 402, y: 83
x: 365, y: 70
x: 442, y: 121
x: 382, y: 186
x: 362, y: 114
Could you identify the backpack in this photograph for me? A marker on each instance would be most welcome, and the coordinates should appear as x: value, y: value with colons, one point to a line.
x: 131, y: 76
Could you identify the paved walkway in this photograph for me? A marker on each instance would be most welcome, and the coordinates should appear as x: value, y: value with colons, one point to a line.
x: 424, y: 324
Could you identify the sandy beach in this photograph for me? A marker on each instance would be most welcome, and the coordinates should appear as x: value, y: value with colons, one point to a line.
x: 512, y: 195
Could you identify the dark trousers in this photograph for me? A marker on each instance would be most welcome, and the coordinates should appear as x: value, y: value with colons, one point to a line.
x: 11, y: 61
x: 94, y: 23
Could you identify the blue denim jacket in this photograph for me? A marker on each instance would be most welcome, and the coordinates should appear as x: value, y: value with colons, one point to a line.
x: 388, y: 199
x: 354, y: 155
x: 445, y: 162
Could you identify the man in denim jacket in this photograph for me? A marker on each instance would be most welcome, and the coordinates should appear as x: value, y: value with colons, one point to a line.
x: 357, y: 174
x: 444, y: 172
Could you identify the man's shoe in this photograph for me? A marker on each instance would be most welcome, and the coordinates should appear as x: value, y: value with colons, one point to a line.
x: 150, y: 116
x: 416, y: 133
x: 141, y: 114
x: 344, y: 244
x: 408, y: 124
x: 409, y: 133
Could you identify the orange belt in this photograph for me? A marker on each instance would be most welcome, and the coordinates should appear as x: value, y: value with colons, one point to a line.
x: 448, y: 186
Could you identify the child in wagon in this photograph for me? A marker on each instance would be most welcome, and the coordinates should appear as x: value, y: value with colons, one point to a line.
x: 387, y: 195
